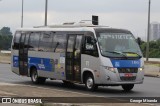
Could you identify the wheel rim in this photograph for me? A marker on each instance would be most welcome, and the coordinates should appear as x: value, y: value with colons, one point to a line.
x: 89, y: 83
x: 34, y: 76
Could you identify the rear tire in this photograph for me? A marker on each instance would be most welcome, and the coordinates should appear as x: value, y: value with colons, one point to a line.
x: 35, y: 79
x: 127, y: 87
x: 89, y: 83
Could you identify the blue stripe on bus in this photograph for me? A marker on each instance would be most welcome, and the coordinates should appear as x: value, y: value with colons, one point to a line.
x: 126, y: 63
x: 15, y: 61
x: 40, y: 63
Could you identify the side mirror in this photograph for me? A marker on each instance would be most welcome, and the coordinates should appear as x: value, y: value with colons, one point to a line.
x: 94, y: 40
x: 139, y: 41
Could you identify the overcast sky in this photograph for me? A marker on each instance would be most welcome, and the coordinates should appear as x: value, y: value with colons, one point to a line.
x: 127, y: 14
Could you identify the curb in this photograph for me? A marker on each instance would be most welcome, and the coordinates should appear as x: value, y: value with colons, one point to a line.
x: 5, y: 62
x: 150, y: 75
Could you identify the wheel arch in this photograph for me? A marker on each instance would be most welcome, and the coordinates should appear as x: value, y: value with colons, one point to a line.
x: 31, y: 68
x: 85, y: 73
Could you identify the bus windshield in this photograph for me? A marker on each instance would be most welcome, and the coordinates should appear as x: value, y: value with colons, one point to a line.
x: 118, y: 45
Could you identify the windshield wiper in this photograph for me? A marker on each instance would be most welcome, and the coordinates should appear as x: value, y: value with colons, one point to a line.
x: 115, y: 52
x: 133, y: 53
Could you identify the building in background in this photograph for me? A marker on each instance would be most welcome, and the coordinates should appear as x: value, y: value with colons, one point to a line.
x: 154, y: 31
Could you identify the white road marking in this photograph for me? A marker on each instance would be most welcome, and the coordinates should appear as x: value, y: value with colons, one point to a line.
x: 7, y: 93
x: 10, y: 84
x: 64, y: 91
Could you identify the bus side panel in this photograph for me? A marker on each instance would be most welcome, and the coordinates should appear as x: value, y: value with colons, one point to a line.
x: 15, y: 61
x: 14, y: 65
x: 48, y: 64
x: 90, y: 63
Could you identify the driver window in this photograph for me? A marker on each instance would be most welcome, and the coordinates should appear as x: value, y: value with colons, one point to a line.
x: 90, y: 46
x: 89, y: 43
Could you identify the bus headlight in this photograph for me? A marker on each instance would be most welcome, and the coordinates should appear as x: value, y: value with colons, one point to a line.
x: 141, y: 68
x: 112, y: 69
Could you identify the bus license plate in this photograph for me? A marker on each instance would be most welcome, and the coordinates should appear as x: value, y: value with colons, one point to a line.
x: 128, y: 75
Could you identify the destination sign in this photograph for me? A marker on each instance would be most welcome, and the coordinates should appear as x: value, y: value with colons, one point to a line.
x: 115, y: 36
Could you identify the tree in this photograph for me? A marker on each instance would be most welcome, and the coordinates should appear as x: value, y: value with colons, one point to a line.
x: 154, y: 51
x: 5, y: 31
x: 5, y: 38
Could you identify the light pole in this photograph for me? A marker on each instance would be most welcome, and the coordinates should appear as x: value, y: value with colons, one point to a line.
x: 22, y: 16
x: 46, y: 7
x: 148, y: 33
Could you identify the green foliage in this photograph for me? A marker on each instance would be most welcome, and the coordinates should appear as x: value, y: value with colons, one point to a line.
x: 5, y: 38
x: 5, y: 31
x: 154, y: 48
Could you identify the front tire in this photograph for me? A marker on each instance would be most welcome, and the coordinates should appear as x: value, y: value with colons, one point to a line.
x: 35, y: 79
x: 89, y: 83
x: 128, y: 87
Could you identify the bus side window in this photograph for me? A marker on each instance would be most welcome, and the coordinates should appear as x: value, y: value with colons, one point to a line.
x: 26, y: 40
x: 78, y: 46
x: 16, y: 40
x: 59, y: 43
x: 45, y: 43
x: 34, y: 41
x: 89, y: 46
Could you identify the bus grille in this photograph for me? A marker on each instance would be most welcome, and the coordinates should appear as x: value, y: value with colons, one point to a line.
x: 128, y: 78
x: 127, y: 70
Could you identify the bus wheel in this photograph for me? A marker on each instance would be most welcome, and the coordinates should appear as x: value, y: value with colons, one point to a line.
x: 35, y: 79
x: 89, y: 83
x: 128, y: 87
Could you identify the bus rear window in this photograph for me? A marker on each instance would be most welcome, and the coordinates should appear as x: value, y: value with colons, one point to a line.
x: 16, y: 40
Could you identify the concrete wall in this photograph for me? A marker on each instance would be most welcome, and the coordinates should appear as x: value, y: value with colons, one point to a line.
x: 5, y: 51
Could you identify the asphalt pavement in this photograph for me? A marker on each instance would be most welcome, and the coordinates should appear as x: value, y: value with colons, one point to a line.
x: 12, y: 85
x: 150, y: 87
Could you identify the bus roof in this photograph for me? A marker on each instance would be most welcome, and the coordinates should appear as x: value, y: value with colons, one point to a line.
x: 65, y: 28
x: 83, y: 25
x: 60, y: 28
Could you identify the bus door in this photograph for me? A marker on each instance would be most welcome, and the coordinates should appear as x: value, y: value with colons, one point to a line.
x: 23, y: 54
x: 73, y: 58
